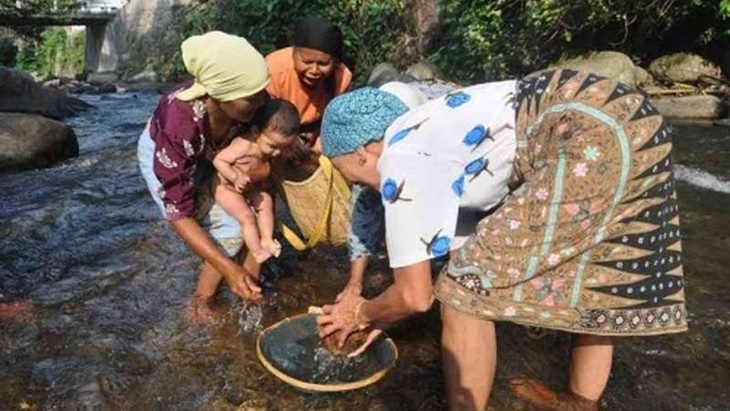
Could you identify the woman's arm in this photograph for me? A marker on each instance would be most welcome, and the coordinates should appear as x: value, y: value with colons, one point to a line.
x: 239, y: 279
x: 357, y: 273
x: 410, y: 294
x: 226, y: 158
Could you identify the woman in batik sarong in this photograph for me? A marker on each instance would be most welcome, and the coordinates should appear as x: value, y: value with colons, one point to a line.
x: 584, y: 231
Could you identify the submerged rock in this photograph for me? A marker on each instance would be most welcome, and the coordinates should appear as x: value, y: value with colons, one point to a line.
x: 30, y: 141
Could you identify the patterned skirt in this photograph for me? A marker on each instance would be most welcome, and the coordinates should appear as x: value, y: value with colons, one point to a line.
x: 590, y: 242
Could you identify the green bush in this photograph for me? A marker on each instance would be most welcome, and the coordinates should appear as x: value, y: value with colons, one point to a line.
x: 487, y: 39
x: 8, y: 52
x: 373, y: 30
x: 57, y: 53
x: 479, y: 39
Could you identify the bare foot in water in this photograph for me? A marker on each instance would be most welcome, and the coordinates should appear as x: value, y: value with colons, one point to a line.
x: 17, y: 311
x: 542, y: 397
x: 199, y: 311
x: 272, y: 246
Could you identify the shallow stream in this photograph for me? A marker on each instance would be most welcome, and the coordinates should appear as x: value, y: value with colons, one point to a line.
x: 93, y: 287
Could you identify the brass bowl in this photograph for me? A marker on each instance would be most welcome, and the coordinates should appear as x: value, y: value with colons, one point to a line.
x: 276, y: 348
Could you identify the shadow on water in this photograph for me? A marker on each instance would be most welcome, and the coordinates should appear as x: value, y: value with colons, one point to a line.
x: 93, y: 286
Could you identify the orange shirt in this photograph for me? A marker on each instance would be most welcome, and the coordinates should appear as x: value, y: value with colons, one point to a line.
x: 285, y: 84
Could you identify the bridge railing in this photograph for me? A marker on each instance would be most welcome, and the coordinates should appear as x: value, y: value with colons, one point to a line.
x: 81, y: 6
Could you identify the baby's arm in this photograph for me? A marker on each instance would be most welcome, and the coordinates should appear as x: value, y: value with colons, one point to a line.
x: 224, y: 161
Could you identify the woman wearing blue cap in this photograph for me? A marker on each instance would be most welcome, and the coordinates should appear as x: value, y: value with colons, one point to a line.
x: 582, y: 235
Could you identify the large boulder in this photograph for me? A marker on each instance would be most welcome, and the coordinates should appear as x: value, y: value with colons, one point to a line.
x: 385, y: 73
x: 30, y: 141
x: 684, y: 68
x: 611, y: 64
x: 19, y: 93
x: 424, y: 71
x: 689, y: 107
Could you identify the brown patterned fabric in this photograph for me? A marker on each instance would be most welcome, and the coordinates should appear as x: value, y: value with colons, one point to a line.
x: 590, y: 243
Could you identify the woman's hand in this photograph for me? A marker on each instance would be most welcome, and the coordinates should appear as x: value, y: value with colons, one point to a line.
x: 342, y: 316
x: 353, y: 288
x: 242, y: 181
x: 372, y: 336
x: 243, y: 284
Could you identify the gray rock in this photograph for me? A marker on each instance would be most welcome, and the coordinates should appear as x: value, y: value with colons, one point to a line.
x: 54, y: 83
x: 424, y: 71
x: 98, y: 79
x: 30, y: 141
x: 383, y: 73
x: 689, y: 107
x: 611, y: 64
x: 147, y: 76
x: 725, y: 122
x: 19, y: 93
x: 683, y: 68
x: 108, y: 88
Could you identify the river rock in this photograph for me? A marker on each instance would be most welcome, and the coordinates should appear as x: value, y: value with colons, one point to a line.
x: 148, y: 75
x: 683, y: 68
x: 611, y: 64
x: 30, y: 141
x: 689, y: 107
x: 19, y: 93
x: 424, y: 71
x: 383, y: 73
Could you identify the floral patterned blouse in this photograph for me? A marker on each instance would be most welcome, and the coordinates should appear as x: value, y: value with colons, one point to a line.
x: 182, y: 137
x: 453, y: 152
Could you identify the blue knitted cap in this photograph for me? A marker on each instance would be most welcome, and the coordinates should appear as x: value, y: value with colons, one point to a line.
x: 354, y: 119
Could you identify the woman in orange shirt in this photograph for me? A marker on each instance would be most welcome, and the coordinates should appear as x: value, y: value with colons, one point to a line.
x: 310, y: 73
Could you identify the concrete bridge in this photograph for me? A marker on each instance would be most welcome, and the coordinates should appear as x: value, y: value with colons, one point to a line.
x: 107, y: 26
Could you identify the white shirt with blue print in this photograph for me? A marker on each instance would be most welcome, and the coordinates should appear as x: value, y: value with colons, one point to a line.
x: 453, y: 152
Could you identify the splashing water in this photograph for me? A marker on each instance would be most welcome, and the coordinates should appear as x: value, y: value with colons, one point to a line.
x: 249, y: 316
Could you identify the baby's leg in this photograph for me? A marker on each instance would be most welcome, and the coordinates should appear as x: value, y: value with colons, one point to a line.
x: 264, y: 205
x: 235, y: 204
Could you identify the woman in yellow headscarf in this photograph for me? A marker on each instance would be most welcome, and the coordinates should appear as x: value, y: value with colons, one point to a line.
x: 176, y: 148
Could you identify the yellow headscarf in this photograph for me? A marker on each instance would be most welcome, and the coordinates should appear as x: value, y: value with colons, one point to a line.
x: 225, y: 67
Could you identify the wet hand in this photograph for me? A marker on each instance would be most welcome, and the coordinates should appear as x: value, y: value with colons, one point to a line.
x: 372, y: 336
x: 343, y: 317
x: 351, y: 289
x: 244, y: 285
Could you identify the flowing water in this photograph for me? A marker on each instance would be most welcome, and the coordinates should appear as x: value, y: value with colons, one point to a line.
x: 94, y: 286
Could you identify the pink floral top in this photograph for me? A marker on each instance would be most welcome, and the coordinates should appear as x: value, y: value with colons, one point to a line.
x: 182, y: 137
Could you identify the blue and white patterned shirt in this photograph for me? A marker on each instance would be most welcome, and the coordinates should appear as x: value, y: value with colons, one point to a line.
x: 453, y: 152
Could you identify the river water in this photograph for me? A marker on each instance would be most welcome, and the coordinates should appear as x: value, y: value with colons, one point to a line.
x: 93, y: 286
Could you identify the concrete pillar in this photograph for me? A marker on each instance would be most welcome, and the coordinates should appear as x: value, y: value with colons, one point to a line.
x: 94, y: 41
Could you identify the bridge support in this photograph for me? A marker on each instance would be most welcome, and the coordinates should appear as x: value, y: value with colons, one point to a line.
x: 103, y: 52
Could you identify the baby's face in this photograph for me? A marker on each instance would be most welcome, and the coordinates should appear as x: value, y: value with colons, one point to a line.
x: 272, y: 143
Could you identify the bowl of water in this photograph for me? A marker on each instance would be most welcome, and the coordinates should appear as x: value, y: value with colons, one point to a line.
x: 294, y: 353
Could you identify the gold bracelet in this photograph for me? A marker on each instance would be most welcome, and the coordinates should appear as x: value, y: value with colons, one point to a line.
x: 361, y: 324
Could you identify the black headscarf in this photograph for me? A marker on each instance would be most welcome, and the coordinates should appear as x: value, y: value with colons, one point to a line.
x: 317, y: 33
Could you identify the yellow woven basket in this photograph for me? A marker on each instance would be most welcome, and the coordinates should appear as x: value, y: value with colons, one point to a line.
x: 320, y: 205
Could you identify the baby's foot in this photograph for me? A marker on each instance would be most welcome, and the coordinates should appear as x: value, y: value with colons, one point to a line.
x: 261, y: 255
x: 272, y: 246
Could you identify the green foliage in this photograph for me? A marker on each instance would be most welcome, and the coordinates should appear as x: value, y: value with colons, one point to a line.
x: 55, y: 54
x: 373, y: 30
x: 8, y: 52
x: 484, y: 39
x: 479, y: 39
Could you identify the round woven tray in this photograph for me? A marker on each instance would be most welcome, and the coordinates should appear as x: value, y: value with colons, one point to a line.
x: 384, y: 349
